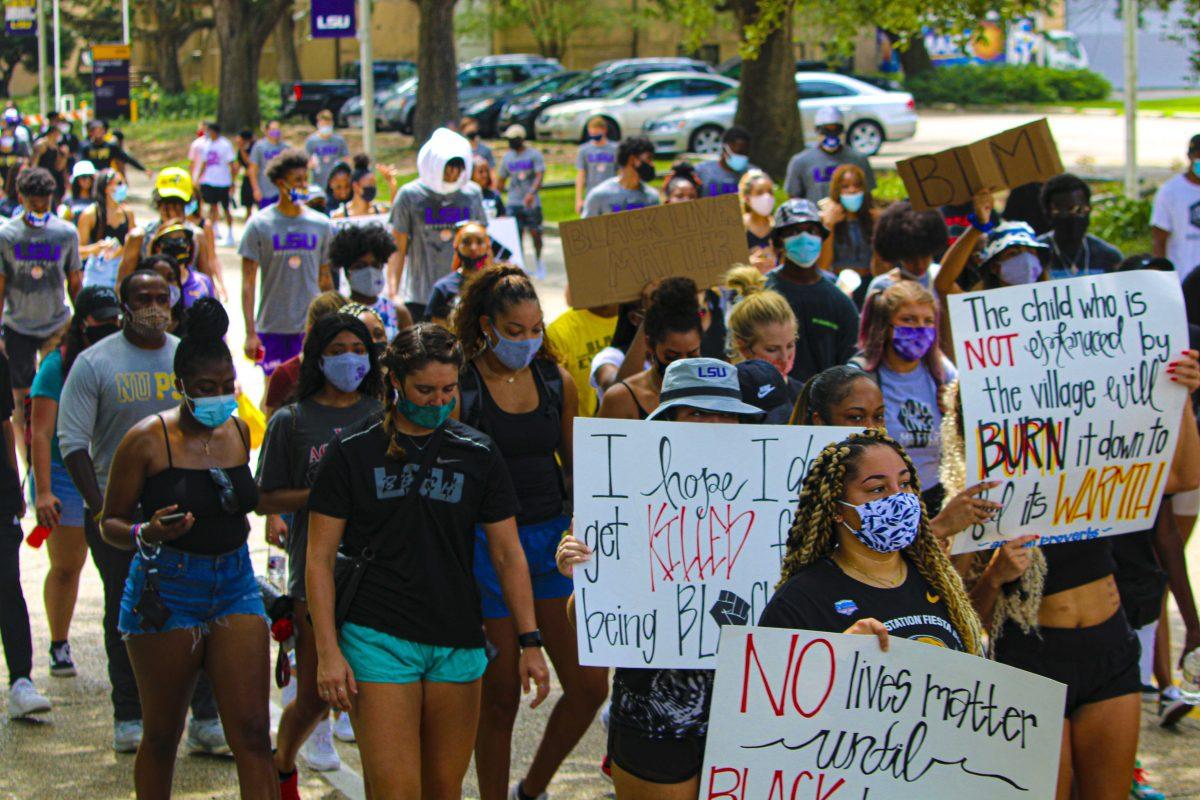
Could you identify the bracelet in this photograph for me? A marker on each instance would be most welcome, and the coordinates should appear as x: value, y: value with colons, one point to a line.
x: 531, y: 639
x: 982, y: 227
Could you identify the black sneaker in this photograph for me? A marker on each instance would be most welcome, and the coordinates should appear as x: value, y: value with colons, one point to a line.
x: 61, y: 665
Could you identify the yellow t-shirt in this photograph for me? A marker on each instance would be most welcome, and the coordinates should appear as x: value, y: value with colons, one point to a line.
x: 578, y: 335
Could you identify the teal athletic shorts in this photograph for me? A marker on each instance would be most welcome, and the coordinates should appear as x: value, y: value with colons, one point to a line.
x: 378, y: 657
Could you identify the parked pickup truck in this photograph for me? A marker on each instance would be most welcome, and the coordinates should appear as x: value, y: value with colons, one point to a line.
x: 306, y: 98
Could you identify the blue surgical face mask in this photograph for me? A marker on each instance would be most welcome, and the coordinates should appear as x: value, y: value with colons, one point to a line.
x: 515, y: 353
x: 430, y: 417
x: 1021, y: 269
x: 212, y: 412
x: 803, y: 249
x: 595, y: 137
x: 852, y: 201
x: 889, y: 523
x: 37, y: 220
x: 735, y: 161
x: 1196, y: 168
x: 298, y: 196
x: 121, y: 192
x: 831, y: 142
x: 346, y: 370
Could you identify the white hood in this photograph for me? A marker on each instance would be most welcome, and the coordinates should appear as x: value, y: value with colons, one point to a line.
x: 442, y: 146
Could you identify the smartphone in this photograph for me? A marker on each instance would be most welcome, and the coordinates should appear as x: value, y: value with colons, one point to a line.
x: 171, y: 519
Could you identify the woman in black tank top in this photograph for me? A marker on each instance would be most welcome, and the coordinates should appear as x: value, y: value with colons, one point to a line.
x: 191, y: 600
x: 514, y: 390
x: 108, y: 218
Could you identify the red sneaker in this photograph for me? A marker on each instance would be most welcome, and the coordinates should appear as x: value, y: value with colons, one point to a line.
x: 289, y: 788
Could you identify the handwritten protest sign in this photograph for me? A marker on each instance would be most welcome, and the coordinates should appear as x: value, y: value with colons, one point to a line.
x: 611, y: 257
x: 1066, y: 400
x: 799, y: 714
x: 688, y: 524
x: 1004, y: 161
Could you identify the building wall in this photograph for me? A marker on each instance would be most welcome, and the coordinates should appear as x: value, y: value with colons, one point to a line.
x: 1162, y: 63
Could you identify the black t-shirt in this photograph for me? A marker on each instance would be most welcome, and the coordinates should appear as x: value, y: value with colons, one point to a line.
x: 444, y: 296
x: 662, y: 703
x: 10, y: 483
x: 421, y: 585
x: 823, y: 598
x: 828, y: 324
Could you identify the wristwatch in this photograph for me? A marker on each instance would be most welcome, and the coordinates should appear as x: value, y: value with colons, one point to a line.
x: 531, y: 639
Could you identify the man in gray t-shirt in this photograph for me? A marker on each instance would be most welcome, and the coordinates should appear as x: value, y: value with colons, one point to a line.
x: 326, y: 149
x: 598, y: 162
x: 810, y: 171
x: 38, y: 262
x: 612, y: 196
x: 526, y: 168
x: 261, y: 154
x: 722, y: 175
x: 429, y: 220
x: 292, y: 252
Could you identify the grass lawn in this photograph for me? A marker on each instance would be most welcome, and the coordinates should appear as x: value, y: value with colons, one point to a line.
x: 1167, y: 106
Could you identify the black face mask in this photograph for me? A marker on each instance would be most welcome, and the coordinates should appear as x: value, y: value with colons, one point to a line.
x: 516, y: 144
x: 94, y: 333
x: 470, y: 264
x: 368, y: 193
x: 645, y: 171
x: 1069, y: 230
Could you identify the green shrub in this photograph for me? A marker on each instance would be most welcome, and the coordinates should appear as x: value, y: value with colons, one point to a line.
x: 198, y: 102
x: 1119, y: 219
x: 980, y: 84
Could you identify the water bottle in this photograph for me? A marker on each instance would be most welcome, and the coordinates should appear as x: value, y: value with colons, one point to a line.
x: 37, y: 536
x: 277, y: 571
x: 1189, y: 687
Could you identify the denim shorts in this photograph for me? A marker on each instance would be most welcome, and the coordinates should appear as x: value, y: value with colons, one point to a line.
x: 540, y: 542
x: 198, y: 590
x: 378, y: 657
x: 71, y: 513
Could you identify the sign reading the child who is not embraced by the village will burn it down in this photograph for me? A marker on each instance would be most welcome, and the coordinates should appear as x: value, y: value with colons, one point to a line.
x: 1067, y: 402
x: 799, y: 715
x: 688, y: 525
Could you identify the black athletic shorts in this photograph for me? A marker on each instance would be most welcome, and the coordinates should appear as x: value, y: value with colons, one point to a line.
x: 1096, y: 663
x: 215, y: 195
x: 655, y: 760
x: 22, y: 353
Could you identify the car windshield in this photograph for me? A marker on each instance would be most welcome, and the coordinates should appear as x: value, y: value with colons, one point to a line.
x: 404, y: 86
x: 627, y: 89
x: 724, y: 97
x: 541, y: 83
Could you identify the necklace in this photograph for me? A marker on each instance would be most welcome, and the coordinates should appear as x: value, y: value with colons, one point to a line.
x: 886, y: 583
x: 1071, y: 266
x: 206, y: 442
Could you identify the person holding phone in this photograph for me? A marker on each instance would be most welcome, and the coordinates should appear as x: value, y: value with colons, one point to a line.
x: 178, y: 496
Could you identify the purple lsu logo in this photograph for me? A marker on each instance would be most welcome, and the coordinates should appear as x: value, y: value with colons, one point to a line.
x: 295, y: 241
x: 521, y: 166
x: 711, y: 372
x: 450, y: 215
x: 718, y: 188
x: 37, y: 251
x: 823, y: 174
x: 600, y: 158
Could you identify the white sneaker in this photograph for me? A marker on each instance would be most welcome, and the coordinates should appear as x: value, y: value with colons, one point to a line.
x: 342, y: 729
x: 1172, y: 707
x: 318, y: 752
x: 23, y: 700
x: 127, y: 736
x: 513, y: 794
x: 541, y: 270
x: 207, y: 737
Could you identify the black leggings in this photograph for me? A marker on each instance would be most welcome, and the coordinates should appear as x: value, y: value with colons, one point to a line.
x: 14, y: 614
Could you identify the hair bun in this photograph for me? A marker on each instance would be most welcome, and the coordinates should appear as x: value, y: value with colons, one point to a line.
x: 362, y: 162
x: 207, y: 319
x: 676, y: 293
x: 745, y: 280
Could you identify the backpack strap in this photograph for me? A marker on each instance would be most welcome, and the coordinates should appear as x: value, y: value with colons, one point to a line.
x: 471, y: 411
x: 551, y: 379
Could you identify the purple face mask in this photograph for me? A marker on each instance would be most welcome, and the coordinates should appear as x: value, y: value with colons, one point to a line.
x: 911, y: 343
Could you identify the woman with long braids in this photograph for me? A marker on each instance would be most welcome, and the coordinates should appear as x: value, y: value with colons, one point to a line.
x: 339, y: 385
x: 191, y: 601
x: 514, y: 390
x: 400, y: 642
x: 861, y: 557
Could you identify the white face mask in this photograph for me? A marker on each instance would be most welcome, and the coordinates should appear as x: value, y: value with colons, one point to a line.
x: 762, y: 204
x: 325, y: 130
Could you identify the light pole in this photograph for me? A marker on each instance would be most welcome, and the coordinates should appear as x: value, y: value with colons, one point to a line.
x: 41, y: 46
x: 1130, y: 12
x: 366, y: 69
x: 57, y: 61
x: 124, y: 21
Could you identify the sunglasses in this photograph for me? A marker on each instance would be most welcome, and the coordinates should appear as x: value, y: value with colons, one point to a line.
x: 225, y: 493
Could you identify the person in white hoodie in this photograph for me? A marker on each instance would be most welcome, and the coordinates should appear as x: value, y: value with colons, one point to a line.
x: 425, y: 214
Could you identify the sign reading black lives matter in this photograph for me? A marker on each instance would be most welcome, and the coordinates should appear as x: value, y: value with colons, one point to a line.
x: 1067, y: 401
x: 688, y: 524
x: 800, y: 714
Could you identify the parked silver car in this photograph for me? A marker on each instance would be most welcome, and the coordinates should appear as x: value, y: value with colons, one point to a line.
x: 873, y: 116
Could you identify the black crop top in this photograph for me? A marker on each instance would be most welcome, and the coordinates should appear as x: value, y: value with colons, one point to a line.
x: 215, y: 530
x: 1075, y: 563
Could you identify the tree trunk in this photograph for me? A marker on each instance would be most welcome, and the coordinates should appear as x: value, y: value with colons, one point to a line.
x: 242, y: 29
x: 914, y: 59
x: 287, y: 63
x: 437, y: 91
x: 5, y: 78
x: 767, y: 100
x: 166, y: 51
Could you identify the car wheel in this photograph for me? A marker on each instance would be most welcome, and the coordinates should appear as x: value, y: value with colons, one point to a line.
x: 706, y: 140
x: 865, y: 137
x: 407, y: 125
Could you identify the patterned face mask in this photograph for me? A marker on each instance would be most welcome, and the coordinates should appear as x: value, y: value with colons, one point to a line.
x: 889, y: 523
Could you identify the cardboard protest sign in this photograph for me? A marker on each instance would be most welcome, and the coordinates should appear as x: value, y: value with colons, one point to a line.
x: 1005, y: 161
x: 688, y: 524
x: 611, y: 257
x: 1066, y: 400
x: 800, y: 714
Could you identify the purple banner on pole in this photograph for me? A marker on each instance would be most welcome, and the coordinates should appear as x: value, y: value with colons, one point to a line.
x: 20, y: 18
x: 332, y: 19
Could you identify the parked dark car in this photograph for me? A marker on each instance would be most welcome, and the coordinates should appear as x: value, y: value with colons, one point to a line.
x: 487, y: 110
x: 478, y: 78
x: 600, y: 82
x: 306, y: 98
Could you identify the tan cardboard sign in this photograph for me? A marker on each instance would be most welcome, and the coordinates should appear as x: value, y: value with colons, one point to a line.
x: 611, y: 257
x: 1005, y: 161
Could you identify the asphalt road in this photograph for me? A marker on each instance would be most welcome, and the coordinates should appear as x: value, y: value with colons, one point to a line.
x: 67, y: 754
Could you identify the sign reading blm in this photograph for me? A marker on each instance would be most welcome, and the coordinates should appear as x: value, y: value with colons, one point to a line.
x: 688, y: 525
x: 1067, y: 401
x: 805, y: 714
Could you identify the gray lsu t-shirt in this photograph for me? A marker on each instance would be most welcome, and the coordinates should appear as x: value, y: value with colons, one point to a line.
x: 289, y: 252
x: 112, y: 386
x: 521, y: 169
x: 328, y: 153
x: 715, y: 180
x: 810, y: 171
x: 429, y: 220
x: 598, y: 162
x: 610, y: 196
x: 36, y: 262
x: 260, y: 155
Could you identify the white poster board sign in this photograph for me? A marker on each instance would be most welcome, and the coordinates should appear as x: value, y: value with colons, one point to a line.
x: 506, y: 242
x: 688, y: 524
x: 1066, y: 401
x: 800, y: 714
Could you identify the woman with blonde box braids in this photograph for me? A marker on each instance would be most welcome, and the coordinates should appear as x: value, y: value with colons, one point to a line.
x: 861, y: 557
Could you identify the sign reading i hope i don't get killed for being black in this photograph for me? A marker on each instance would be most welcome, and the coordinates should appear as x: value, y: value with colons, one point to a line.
x: 1068, y: 403
x: 688, y: 524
